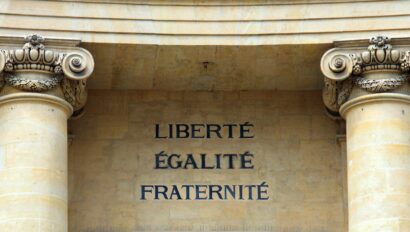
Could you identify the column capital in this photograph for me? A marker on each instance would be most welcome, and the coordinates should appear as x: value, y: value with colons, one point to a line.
x: 45, y: 66
x: 362, y: 67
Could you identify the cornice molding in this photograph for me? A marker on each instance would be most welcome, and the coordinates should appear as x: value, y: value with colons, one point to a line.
x: 217, y: 2
x: 205, y: 22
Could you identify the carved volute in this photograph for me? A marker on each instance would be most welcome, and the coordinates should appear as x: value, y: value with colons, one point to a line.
x: 356, y: 68
x: 34, y: 67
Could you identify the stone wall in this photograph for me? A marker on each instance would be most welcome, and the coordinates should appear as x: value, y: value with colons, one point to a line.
x: 112, y: 153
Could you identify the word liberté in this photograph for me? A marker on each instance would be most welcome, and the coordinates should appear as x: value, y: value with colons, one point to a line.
x: 164, y: 160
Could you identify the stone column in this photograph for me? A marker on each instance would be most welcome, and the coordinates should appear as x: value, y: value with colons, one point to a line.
x: 341, y: 140
x: 40, y: 88
x: 367, y: 83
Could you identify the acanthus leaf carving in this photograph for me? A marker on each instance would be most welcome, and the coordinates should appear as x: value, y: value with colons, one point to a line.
x: 345, y: 88
x: 336, y: 93
x: 74, y: 92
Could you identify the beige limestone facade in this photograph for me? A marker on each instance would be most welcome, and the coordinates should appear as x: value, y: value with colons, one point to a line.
x: 237, y: 115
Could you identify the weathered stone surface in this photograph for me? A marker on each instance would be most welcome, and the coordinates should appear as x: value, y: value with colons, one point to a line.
x: 109, y: 161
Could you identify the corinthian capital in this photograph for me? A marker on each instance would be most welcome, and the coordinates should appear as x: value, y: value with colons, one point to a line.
x: 361, y: 67
x: 52, y: 66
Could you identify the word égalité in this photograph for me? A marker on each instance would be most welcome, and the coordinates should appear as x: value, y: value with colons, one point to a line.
x: 216, y: 161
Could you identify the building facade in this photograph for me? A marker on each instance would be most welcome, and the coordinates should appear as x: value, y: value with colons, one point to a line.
x: 162, y: 115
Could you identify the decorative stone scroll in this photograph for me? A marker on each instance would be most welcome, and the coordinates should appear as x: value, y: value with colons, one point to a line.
x: 35, y: 68
x: 352, y: 65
